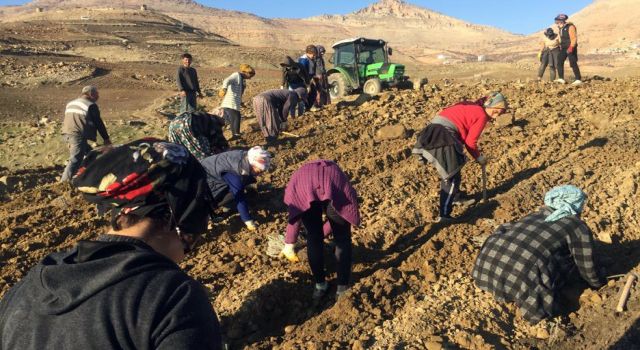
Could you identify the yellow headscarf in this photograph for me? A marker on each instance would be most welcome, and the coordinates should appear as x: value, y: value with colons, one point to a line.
x: 247, y: 69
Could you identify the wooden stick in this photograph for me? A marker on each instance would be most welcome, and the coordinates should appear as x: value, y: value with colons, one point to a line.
x: 290, y: 134
x: 484, y: 183
x: 625, y: 292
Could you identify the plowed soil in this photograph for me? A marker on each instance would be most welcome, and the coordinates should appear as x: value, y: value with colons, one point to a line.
x: 411, y: 286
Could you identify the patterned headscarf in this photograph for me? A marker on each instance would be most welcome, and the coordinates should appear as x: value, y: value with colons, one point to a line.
x: 496, y: 100
x: 144, y: 178
x: 565, y: 201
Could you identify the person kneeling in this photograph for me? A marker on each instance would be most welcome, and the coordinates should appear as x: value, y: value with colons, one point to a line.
x: 529, y: 261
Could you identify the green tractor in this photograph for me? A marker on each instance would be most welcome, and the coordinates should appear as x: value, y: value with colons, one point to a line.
x: 363, y: 64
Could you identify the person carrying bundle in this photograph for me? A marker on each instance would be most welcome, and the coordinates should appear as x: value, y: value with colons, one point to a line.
x: 441, y: 143
x: 123, y: 289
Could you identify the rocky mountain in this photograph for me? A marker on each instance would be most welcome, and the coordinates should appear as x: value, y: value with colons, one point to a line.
x: 419, y: 32
x: 414, y: 31
x: 604, y: 27
x: 609, y: 26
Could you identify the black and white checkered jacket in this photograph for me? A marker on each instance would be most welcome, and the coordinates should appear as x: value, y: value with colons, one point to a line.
x: 528, y: 261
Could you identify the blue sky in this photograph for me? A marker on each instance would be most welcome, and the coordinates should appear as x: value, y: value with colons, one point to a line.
x: 517, y: 16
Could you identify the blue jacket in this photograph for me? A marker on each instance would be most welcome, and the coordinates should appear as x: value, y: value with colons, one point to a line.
x: 309, y: 66
x: 229, y: 172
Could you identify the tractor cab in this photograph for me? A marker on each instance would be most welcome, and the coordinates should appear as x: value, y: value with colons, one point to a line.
x: 361, y: 63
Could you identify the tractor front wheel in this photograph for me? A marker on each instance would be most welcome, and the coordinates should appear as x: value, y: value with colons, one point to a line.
x: 372, y: 86
x: 337, y: 86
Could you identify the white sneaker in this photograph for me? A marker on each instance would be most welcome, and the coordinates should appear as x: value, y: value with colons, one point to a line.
x: 577, y: 82
x: 561, y: 81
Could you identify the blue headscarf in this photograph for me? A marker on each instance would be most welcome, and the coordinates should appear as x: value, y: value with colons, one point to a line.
x: 565, y: 201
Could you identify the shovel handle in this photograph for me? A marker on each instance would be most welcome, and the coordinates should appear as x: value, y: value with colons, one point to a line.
x: 484, y: 183
x: 625, y: 292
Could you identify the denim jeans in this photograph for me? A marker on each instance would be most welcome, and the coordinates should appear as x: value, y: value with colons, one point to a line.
x: 78, y: 149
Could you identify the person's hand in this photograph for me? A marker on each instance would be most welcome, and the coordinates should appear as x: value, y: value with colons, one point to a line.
x: 540, y: 56
x: 570, y: 49
x: 289, y: 253
x: 183, y: 93
x: 482, y: 160
x: 222, y: 92
x: 107, y: 142
x: 284, y: 126
x: 200, y: 95
x: 281, y: 87
x: 251, y: 225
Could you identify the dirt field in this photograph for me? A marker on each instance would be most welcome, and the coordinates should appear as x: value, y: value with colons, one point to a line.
x: 411, y: 286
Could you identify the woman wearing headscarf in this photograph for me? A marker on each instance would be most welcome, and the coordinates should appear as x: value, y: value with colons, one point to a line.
x: 321, y: 80
x: 230, y: 172
x: 273, y: 108
x: 231, y: 93
x: 124, y: 288
x: 200, y: 132
x: 322, y: 187
x: 529, y: 261
x: 441, y: 143
x: 549, y: 54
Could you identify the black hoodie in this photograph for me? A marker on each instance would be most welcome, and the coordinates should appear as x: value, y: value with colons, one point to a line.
x: 113, y: 293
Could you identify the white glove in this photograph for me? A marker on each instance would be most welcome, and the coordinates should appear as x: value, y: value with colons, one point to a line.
x: 251, y: 225
x: 289, y: 252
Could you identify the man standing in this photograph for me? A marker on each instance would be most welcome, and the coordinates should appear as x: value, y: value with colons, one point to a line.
x: 82, y: 122
x: 188, y: 85
x: 568, y: 48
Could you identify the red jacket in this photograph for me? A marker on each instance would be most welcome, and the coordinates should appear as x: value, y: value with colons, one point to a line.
x: 470, y: 119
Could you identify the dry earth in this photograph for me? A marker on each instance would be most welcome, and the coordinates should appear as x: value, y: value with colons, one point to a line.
x: 412, y: 286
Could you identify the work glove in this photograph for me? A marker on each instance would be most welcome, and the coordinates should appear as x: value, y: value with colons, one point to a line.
x: 482, y: 160
x: 289, y: 253
x: 570, y: 50
x: 222, y: 92
x: 251, y: 225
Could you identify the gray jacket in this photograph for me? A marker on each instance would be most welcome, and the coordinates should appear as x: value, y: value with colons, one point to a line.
x: 82, y: 118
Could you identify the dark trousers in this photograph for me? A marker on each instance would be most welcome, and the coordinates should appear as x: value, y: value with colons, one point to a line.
x: 188, y: 102
x: 78, y: 149
x: 573, y: 62
x: 448, y: 190
x: 313, y: 93
x: 233, y: 118
x: 549, y: 58
x: 312, y: 220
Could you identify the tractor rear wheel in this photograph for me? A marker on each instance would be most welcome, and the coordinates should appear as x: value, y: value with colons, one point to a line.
x: 372, y: 86
x: 337, y: 85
